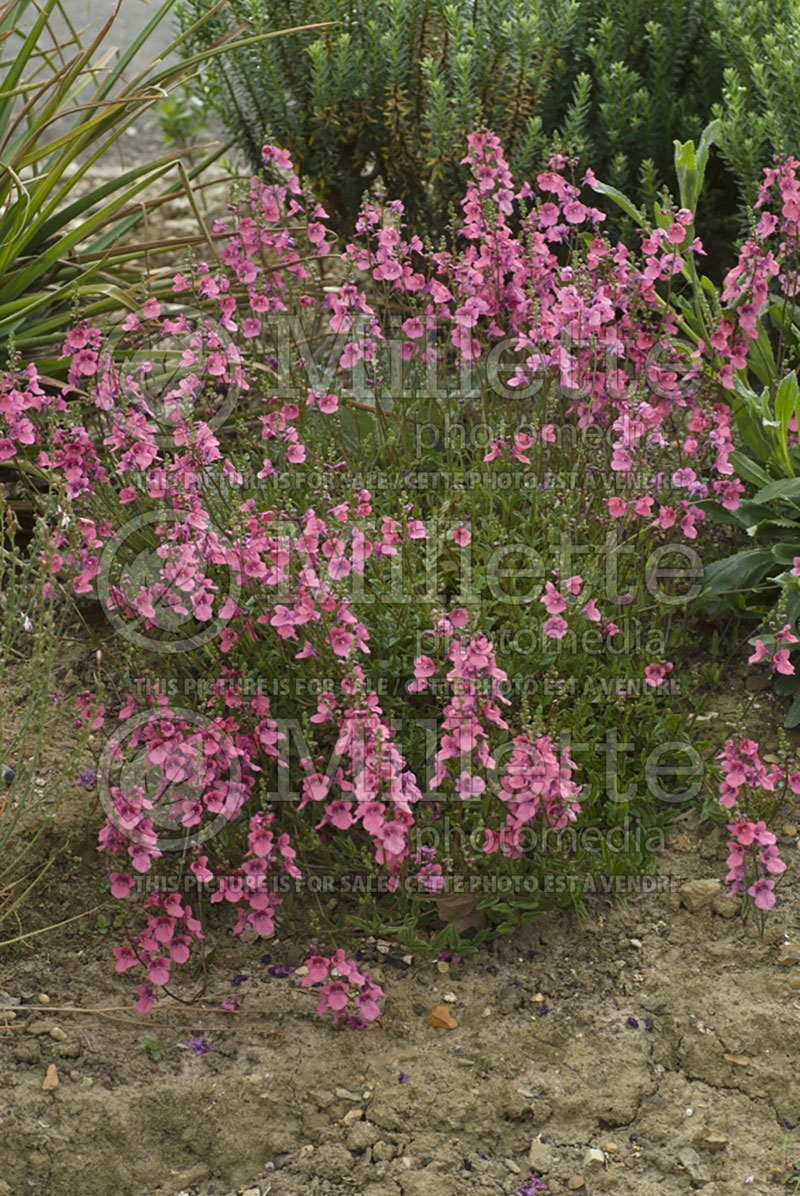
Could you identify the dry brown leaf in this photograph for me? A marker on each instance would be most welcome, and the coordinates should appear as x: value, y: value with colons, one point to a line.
x: 682, y: 843
x: 737, y: 1060
x: 50, y: 1081
x: 441, y: 1018
x: 460, y: 910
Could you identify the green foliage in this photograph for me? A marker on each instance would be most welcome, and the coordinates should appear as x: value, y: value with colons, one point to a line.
x: 391, y: 89
x: 61, y: 110
x: 759, y: 43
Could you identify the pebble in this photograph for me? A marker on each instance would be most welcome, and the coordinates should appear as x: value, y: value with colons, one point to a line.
x: 513, y: 1167
x: 790, y: 830
x: 575, y: 1183
x: 689, y: 1159
x: 251, y: 1192
x: 594, y: 1159
x: 39, y: 1028
x: 540, y: 1156
x: 697, y: 894
x: 442, y: 966
x: 58, y: 1035
x: 789, y: 954
x: 43, y: 999
x: 450, y: 998
x: 343, y: 1094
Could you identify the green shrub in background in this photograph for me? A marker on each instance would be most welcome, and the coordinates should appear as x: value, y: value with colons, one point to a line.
x: 759, y: 43
x: 393, y: 88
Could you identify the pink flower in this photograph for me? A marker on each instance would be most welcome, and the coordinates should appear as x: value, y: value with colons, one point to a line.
x: 781, y: 663
x: 762, y: 893
x: 121, y: 884
x: 617, y: 507
x: 555, y: 629
x: 654, y: 674
x: 147, y: 998
x: 126, y: 958
x: 462, y: 536
x: 317, y: 970
x: 341, y: 641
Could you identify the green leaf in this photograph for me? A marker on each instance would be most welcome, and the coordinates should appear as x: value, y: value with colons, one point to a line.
x: 749, y: 470
x: 785, y: 489
x: 620, y: 199
x: 740, y: 572
x: 793, y: 717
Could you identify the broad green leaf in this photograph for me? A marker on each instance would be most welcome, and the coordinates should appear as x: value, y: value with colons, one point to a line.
x: 740, y: 572
x: 620, y: 199
x: 784, y: 489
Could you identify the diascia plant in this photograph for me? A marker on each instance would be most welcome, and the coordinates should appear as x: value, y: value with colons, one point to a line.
x: 753, y: 859
x: 249, y: 516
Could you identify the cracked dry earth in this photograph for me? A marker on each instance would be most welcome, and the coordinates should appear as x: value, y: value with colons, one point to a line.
x: 664, y: 1063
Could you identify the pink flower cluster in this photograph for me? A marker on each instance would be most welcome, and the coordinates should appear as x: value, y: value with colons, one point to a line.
x: 340, y: 982
x: 767, y: 257
x: 753, y: 854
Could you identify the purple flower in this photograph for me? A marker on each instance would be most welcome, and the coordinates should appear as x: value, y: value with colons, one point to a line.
x: 265, y: 959
x: 649, y: 1024
x: 492, y: 969
x: 403, y: 1078
x: 199, y: 1046
x: 531, y: 1186
x: 632, y: 1022
x: 237, y: 980
x: 542, y: 1010
x: 87, y: 779
x: 281, y: 969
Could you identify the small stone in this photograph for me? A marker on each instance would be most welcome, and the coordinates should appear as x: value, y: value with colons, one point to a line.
x: 43, y: 999
x: 246, y: 1192
x: 794, y: 982
x: 450, y: 998
x: 789, y: 954
x: 58, y: 1035
x: 540, y: 1156
x: 575, y: 1183
x: 712, y: 1142
x: 697, y: 894
x: 382, y: 1152
x: 442, y: 966
x: 610, y: 1147
x: 363, y: 1135
x: 70, y: 1050
x: 196, y: 1175
x: 594, y: 1159
x: 38, y: 1028
x: 637, y: 943
x: 789, y: 830
x: 689, y: 1160
x: 513, y: 1167
x: 27, y: 1052
x: 351, y: 1117
x: 344, y: 1094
